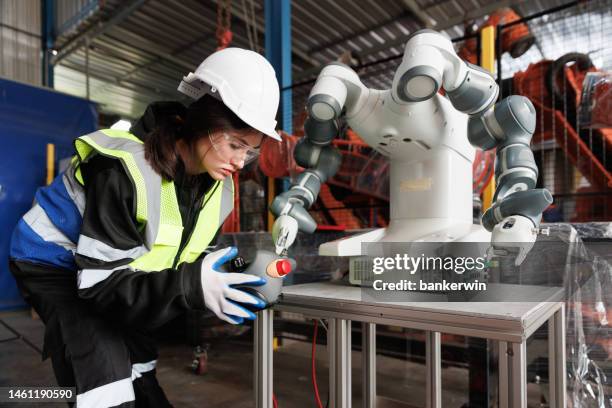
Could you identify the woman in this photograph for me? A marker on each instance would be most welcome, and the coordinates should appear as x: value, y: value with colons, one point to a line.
x: 118, y: 244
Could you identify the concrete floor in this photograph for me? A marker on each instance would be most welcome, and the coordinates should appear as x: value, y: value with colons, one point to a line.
x: 229, y: 380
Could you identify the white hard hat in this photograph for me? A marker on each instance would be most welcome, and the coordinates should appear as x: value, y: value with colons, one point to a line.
x: 245, y: 82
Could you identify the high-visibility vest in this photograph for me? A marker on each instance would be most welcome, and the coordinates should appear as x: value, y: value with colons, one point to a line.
x: 157, y: 210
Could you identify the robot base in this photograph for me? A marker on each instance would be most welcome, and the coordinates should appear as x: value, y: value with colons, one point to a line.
x: 411, y: 230
x: 424, y: 230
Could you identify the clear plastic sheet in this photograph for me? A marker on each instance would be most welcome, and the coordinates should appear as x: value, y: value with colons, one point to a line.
x: 589, y: 335
x: 584, y: 252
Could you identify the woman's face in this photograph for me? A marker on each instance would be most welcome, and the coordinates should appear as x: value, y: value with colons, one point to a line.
x: 223, y: 152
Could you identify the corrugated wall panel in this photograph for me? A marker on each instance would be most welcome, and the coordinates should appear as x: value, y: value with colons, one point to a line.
x: 69, y: 14
x: 20, y: 41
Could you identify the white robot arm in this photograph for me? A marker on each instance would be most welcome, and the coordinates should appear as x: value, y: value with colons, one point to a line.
x: 336, y: 87
x: 430, y: 62
x: 406, y: 112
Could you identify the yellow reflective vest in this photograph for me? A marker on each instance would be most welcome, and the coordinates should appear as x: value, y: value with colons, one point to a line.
x: 157, y: 209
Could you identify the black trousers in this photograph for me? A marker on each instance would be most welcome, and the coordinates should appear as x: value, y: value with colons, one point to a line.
x: 110, y: 366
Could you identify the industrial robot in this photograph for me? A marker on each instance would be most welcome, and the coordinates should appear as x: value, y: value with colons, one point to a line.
x: 429, y: 140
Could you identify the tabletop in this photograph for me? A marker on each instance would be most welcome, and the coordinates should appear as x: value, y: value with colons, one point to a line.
x: 501, y: 320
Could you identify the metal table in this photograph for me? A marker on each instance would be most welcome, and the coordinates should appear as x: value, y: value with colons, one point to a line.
x: 508, y: 323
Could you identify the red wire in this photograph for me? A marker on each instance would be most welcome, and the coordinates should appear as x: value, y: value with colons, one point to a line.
x: 274, y: 401
x: 314, y: 372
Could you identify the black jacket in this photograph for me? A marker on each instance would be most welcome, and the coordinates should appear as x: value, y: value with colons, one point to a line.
x: 136, y: 298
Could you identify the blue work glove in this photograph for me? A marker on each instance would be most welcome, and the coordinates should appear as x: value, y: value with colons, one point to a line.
x: 219, y: 295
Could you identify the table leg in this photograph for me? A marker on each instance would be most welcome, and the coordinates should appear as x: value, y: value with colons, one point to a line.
x: 517, y: 363
x: 503, y: 370
x: 556, y: 359
x: 339, y: 340
x: 433, y: 363
x: 262, y: 351
x: 368, y: 356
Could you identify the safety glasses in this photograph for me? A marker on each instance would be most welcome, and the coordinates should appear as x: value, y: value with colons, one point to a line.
x: 232, y: 149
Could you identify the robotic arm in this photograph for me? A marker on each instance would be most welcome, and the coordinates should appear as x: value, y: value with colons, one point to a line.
x: 321, y: 160
x: 337, y: 86
x: 429, y: 63
x: 514, y: 218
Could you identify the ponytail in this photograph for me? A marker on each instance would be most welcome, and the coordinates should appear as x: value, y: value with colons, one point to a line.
x: 160, y: 146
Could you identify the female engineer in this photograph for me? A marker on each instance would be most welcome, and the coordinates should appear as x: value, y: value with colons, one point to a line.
x: 118, y: 244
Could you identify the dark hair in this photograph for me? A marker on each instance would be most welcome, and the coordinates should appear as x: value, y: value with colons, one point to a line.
x: 207, y: 114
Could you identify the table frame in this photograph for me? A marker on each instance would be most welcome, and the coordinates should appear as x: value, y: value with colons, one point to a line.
x: 511, y: 337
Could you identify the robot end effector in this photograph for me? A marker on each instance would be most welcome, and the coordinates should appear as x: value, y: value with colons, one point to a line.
x: 321, y: 161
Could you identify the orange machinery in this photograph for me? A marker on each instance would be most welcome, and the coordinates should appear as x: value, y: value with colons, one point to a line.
x: 516, y: 39
x: 555, y: 89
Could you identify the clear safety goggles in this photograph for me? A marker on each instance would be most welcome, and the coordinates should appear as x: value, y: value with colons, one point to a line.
x: 232, y: 149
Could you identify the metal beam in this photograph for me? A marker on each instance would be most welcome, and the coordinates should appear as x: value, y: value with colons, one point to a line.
x: 433, y: 362
x: 368, y: 365
x: 117, y: 80
x: 149, y: 64
x: 339, y: 349
x: 471, y: 15
x: 96, y: 30
x: 459, y: 19
x: 557, y: 369
x: 20, y: 31
x: 419, y: 13
x: 48, y: 40
x: 263, y: 354
x: 154, y: 93
x: 278, y: 52
x: 356, y: 34
x: 151, y: 48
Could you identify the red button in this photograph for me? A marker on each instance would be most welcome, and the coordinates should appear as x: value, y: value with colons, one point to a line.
x: 283, y: 267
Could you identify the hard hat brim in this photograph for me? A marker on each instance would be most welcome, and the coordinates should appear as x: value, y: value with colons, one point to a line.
x: 273, y: 134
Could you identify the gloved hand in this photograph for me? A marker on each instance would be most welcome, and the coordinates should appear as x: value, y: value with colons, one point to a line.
x: 219, y: 296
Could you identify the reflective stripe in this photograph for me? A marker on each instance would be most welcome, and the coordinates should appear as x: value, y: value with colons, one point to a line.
x: 61, y: 208
x: 89, y: 277
x: 27, y: 245
x: 208, y: 222
x: 74, y: 189
x: 227, y: 199
x: 108, y: 395
x: 41, y: 224
x: 157, y: 209
x: 95, y: 249
x: 147, y: 182
x: 139, y: 368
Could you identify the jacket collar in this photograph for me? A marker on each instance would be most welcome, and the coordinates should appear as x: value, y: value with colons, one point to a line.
x: 156, y: 113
